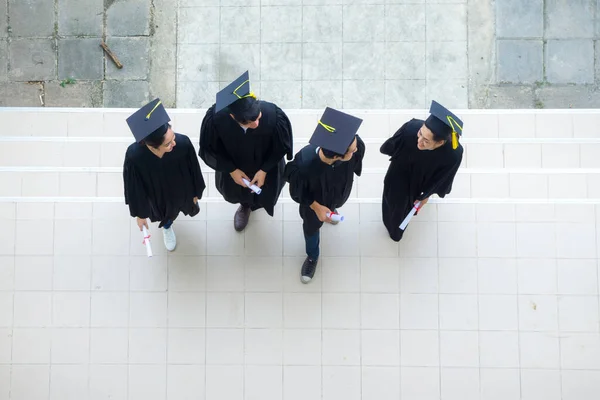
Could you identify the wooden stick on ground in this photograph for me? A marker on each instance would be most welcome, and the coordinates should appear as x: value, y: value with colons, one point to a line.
x: 111, y: 55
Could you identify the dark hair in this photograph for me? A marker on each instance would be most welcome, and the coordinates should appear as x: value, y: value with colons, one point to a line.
x: 156, y: 138
x: 245, y: 110
x: 440, y: 130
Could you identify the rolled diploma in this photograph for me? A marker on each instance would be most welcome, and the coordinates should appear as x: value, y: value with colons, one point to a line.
x: 335, y: 217
x: 412, y: 212
x: 147, y: 241
x: 254, y: 188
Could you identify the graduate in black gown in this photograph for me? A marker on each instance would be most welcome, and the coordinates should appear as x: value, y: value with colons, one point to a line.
x: 244, y: 138
x: 425, y: 156
x: 321, y: 177
x: 161, y: 172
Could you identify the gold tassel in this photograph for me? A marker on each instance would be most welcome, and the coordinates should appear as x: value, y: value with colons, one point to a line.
x: 454, y: 140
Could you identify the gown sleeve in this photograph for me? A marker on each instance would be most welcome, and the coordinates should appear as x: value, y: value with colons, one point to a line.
x: 441, y: 182
x: 299, y: 182
x: 195, y: 171
x: 360, y: 154
x: 283, y: 141
x: 211, y: 148
x: 394, y: 145
x: 135, y: 194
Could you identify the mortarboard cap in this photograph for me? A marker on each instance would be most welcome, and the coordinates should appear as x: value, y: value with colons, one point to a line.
x: 147, y: 119
x: 335, y: 131
x: 442, y: 120
x: 236, y: 90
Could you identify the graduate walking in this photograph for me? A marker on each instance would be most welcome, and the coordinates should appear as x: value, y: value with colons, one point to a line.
x: 424, y: 159
x: 245, y: 140
x: 161, y: 172
x: 321, y: 177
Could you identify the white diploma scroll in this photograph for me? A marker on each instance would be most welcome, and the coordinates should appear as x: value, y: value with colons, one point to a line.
x: 411, y: 214
x: 335, y: 217
x: 147, y: 241
x: 254, y: 188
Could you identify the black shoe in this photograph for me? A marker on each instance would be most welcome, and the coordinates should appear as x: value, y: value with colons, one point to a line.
x: 240, y: 219
x: 308, y: 269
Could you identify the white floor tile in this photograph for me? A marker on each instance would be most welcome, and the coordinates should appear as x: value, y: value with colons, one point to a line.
x: 578, y: 314
x: 225, y: 310
x: 108, y: 382
x: 31, y: 345
x: 499, y: 349
x: 110, y: 273
x: 72, y: 272
x: 8, y: 237
x: 302, y: 383
x: 263, y: 382
x: 419, y: 348
x: 341, y: 274
x: 68, y: 382
x: 466, y: 247
x: 380, y: 311
x: 72, y: 237
x: 148, y: 274
x: 71, y: 309
x: 539, y: 350
x: 147, y: 346
x: 111, y: 238
x: 538, y: 313
x: 224, y: 382
x: 578, y: 277
x: 536, y: 240
x: 497, y: 276
x: 263, y: 274
x: 419, y: 275
x: 341, y: 347
x: 30, y: 382
x: 263, y: 347
x: 347, y: 233
x: 147, y: 382
x: 341, y: 310
x: 380, y: 383
x: 186, y: 309
x: 496, y: 239
x: 187, y: 273
x: 223, y: 346
x: 148, y: 310
x: 380, y: 348
x: 110, y: 310
x: 379, y: 275
x: 341, y: 382
x: 302, y: 347
x: 459, y: 312
x: 375, y: 241
x: 6, y: 309
x: 264, y: 238
x: 456, y: 212
x: 419, y: 311
x: 7, y: 272
x: 580, y: 385
x: 186, y: 382
x: 411, y: 243
x: 43, y: 231
x: 537, y: 276
x: 6, y: 338
x: 33, y: 273
x: 576, y: 240
x: 70, y: 345
x: 459, y: 349
x: 498, y: 313
x: 460, y: 383
x: 538, y: 384
x: 222, y: 242
x: 580, y: 351
x: 500, y: 384
x: 420, y: 383
x: 224, y: 274
x: 109, y: 346
x: 458, y: 275
x: 32, y: 309
x: 302, y: 310
x: 263, y: 310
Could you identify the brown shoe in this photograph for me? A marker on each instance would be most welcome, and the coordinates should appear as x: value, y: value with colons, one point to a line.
x: 240, y: 220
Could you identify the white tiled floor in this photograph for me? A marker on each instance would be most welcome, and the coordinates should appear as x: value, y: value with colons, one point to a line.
x: 489, y: 302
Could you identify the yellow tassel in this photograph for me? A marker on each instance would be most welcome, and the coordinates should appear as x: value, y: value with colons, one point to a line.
x: 328, y: 128
x: 454, y: 140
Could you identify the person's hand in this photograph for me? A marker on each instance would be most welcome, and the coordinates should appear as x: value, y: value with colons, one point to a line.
x: 423, y: 202
x: 321, y: 212
x: 141, y: 222
x: 237, y: 177
x: 195, y: 200
x: 259, y: 178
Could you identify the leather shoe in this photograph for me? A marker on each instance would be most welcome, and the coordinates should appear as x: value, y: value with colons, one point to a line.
x: 240, y: 220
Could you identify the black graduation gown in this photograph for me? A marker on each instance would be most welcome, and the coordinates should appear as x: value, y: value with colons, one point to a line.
x: 414, y: 174
x: 311, y: 180
x: 225, y: 147
x: 159, y: 188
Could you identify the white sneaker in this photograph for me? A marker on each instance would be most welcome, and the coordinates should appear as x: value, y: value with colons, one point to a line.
x: 170, y: 239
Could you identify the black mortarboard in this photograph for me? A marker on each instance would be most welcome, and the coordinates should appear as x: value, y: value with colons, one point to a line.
x: 236, y: 90
x: 335, y: 131
x: 148, y: 119
x: 443, y: 122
